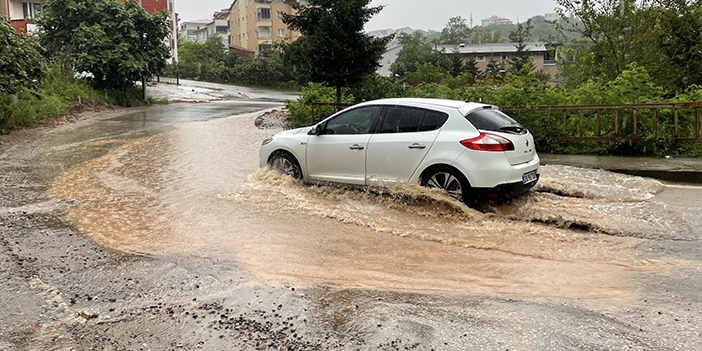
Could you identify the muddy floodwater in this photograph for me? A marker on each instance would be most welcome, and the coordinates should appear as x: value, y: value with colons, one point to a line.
x: 196, y: 189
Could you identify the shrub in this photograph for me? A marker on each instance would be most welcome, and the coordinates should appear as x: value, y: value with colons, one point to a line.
x: 301, y: 109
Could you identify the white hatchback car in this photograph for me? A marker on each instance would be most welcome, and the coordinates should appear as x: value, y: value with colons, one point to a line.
x: 470, y: 150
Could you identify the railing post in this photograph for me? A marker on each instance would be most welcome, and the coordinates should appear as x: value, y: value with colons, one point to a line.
x: 580, y: 129
x: 697, y: 122
x: 655, y: 122
x: 616, y: 122
x: 676, y: 122
x: 599, y: 122
x: 564, y: 121
x: 548, y: 120
x: 634, y: 122
x: 313, y: 119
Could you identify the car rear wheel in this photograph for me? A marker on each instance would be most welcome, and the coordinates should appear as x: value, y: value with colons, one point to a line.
x: 448, y: 179
x: 286, y: 164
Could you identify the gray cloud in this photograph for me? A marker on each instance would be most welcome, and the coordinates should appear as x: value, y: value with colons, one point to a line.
x: 417, y: 14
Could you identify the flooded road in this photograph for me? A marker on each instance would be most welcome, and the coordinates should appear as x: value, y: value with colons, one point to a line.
x: 195, y: 188
x: 154, y: 229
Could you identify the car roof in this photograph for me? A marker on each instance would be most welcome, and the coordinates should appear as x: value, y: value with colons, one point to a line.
x: 459, y: 105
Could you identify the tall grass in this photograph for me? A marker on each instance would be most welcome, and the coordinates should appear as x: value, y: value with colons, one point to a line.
x: 54, y: 97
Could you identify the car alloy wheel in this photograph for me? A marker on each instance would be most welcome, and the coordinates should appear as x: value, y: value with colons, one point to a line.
x: 285, y: 164
x: 448, y: 180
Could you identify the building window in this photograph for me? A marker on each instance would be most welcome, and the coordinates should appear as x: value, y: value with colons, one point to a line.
x: 264, y: 47
x: 279, y: 14
x: 31, y: 10
x: 221, y: 29
x: 503, y: 57
x: 549, y: 59
x: 281, y: 33
x: 480, y: 58
x: 264, y: 14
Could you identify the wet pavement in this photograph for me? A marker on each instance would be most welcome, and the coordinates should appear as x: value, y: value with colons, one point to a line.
x: 155, y: 229
x: 673, y: 169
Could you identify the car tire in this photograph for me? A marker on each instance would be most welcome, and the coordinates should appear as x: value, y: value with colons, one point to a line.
x: 450, y: 180
x: 286, y: 164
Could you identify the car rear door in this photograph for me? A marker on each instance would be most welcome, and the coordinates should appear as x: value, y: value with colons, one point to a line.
x: 402, y: 140
x: 339, y: 153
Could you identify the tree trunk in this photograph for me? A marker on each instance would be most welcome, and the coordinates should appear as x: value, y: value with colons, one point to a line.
x: 143, y: 89
x: 338, y: 94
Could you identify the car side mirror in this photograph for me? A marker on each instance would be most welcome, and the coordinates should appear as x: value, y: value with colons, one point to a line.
x: 317, y: 130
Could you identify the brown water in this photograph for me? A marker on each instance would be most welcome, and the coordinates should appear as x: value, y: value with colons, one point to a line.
x: 198, y: 190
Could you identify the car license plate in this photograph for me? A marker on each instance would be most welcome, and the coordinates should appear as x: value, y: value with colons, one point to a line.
x: 529, y: 177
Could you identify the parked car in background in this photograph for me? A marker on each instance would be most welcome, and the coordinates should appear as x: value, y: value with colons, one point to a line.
x: 471, y: 150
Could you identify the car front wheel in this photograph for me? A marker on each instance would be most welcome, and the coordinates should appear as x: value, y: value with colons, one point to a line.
x: 448, y: 179
x: 285, y: 164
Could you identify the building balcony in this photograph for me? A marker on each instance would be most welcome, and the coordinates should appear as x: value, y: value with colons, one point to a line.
x: 23, y: 26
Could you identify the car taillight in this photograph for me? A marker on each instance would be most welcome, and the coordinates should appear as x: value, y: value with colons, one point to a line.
x: 488, y: 142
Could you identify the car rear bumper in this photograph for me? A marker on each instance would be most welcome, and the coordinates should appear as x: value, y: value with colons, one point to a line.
x: 503, y: 190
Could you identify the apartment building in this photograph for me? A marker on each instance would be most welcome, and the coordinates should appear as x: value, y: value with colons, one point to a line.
x: 254, y: 25
x: 189, y: 29
x: 21, y: 13
x: 495, y: 20
x: 502, y: 53
x: 218, y: 27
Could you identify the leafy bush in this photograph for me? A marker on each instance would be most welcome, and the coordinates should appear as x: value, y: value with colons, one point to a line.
x: 209, y: 61
x: 21, y: 63
x: 301, y: 109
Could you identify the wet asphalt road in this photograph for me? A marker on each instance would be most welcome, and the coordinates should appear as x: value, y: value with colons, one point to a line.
x: 63, y: 292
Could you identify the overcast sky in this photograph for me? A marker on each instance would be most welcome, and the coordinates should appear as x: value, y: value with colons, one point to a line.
x: 417, y: 14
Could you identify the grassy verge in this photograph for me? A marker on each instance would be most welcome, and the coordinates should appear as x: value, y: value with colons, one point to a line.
x: 56, y: 96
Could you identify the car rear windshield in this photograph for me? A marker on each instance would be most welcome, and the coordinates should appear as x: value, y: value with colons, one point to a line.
x: 495, y: 121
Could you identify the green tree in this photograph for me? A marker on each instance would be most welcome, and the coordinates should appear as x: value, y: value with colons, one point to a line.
x: 619, y: 32
x: 119, y: 43
x: 417, y: 51
x: 494, y: 68
x: 203, y: 60
x: 521, y: 61
x: 21, y: 64
x: 426, y: 73
x: 471, y: 66
x: 678, y: 36
x: 455, y: 32
x: 333, y: 47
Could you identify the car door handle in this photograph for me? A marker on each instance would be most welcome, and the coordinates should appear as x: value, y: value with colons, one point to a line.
x: 356, y: 147
x: 417, y: 146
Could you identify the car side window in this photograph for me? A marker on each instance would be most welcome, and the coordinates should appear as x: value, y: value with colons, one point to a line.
x: 401, y: 120
x: 433, y: 120
x: 356, y: 121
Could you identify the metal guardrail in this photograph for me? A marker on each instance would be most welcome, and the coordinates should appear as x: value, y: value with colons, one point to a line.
x: 617, y: 134
x: 169, y: 80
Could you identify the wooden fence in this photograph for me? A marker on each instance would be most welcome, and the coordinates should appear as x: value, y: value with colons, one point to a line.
x: 678, y: 122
